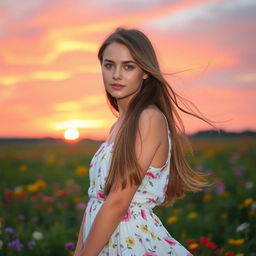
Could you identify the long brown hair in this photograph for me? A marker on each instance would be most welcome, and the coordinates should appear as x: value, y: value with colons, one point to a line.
x: 155, y: 90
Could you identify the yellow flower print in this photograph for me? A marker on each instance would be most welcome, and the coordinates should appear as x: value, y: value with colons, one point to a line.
x: 130, y: 242
x: 144, y: 228
x: 153, y: 235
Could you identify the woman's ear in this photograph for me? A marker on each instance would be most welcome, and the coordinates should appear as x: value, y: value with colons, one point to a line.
x: 145, y: 76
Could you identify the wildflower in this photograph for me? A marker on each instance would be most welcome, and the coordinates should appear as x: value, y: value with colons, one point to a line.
x: 16, y: 245
x: 81, y: 170
x: 9, y: 230
x: 31, y: 244
x: 130, y: 242
x: 80, y: 206
x: 23, y: 167
x: 242, y: 227
x: 204, y: 240
x: 69, y: 246
x: 211, y: 245
x: 37, y: 235
x: 190, y: 241
x: 172, y: 219
x: 207, y: 198
x: 229, y: 253
x: 235, y: 241
x: 248, y: 201
x: 193, y: 247
x: 239, y: 254
x: 192, y: 215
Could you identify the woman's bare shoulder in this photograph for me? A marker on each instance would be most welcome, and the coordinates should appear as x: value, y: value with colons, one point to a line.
x: 152, y: 116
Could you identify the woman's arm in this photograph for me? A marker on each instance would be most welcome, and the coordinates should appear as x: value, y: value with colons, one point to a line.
x: 118, y: 201
x: 79, y: 244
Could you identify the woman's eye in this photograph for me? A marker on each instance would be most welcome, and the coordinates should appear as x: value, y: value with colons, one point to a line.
x: 108, y: 65
x: 129, y: 67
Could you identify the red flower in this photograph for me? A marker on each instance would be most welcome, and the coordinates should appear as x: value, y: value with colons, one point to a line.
x: 211, y: 245
x: 204, y: 240
x: 191, y: 241
x: 218, y: 251
x: 229, y: 253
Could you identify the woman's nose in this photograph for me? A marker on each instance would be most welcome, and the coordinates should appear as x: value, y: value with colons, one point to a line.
x: 117, y: 73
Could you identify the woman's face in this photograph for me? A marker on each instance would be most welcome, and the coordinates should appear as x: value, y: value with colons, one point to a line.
x: 122, y: 77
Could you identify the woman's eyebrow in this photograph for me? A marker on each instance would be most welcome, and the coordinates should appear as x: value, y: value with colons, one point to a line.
x: 126, y: 61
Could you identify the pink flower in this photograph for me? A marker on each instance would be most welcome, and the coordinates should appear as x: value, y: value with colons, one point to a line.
x: 91, y: 165
x: 80, y: 206
x: 100, y: 195
x: 152, y: 175
x: 149, y: 254
x: 127, y: 216
x: 143, y: 214
x: 189, y: 254
x: 169, y: 241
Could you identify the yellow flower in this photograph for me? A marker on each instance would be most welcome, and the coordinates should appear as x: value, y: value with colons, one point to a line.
x: 248, y: 201
x: 130, y: 241
x: 207, y: 198
x: 239, y: 254
x: 193, y: 246
x: 172, y: 219
x: 23, y: 167
x: 236, y: 241
x: 81, y: 170
x: 77, y: 200
x: 40, y: 184
x: 192, y: 215
x: 144, y: 228
x: 32, y: 188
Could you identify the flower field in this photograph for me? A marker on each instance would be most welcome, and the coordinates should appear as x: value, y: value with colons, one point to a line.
x: 44, y: 183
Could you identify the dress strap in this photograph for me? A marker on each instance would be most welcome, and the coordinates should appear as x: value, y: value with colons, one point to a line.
x: 169, y: 135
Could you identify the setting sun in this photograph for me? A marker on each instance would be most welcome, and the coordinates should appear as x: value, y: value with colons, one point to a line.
x: 71, y: 134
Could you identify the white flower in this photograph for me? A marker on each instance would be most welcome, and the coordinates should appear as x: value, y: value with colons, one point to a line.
x: 37, y: 235
x: 1, y: 244
x: 242, y: 227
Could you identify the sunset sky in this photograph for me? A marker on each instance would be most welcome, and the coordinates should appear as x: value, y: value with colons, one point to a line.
x: 50, y: 78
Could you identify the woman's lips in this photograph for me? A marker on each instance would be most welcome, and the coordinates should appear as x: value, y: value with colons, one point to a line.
x: 117, y: 86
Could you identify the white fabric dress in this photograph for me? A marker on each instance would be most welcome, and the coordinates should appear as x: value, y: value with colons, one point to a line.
x: 141, y: 232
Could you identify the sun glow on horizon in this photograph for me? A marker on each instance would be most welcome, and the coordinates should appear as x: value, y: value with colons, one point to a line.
x: 71, y: 134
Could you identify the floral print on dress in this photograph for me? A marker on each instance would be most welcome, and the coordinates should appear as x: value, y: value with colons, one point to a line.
x: 140, y: 232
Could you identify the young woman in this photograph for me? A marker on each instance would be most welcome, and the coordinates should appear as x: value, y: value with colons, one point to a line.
x: 142, y: 163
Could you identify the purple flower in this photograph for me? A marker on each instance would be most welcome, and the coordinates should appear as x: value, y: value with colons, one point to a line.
x: 9, y: 230
x: 240, y: 169
x: 31, y: 244
x: 69, y: 246
x: 21, y: 217
x: 15, y: 245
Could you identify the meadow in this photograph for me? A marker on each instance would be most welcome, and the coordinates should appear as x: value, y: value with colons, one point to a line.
x: 44, y: 183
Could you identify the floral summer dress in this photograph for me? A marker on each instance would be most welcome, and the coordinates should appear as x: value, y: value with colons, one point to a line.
x: 140, y: 232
